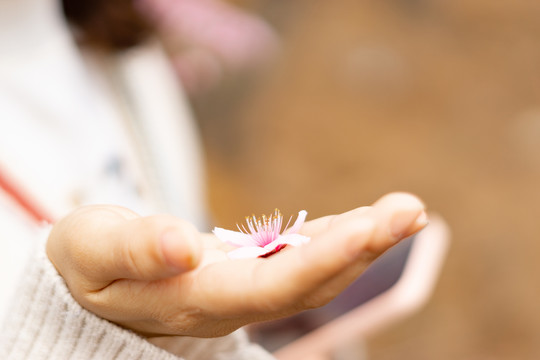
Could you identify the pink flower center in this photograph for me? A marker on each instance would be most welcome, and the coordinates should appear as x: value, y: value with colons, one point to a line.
x: 265, y: 229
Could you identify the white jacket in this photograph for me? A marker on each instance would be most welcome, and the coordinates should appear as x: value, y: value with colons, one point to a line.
x: 76, y: 129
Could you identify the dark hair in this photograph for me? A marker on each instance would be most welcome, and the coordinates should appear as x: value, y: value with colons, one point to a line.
x: 109, y: 25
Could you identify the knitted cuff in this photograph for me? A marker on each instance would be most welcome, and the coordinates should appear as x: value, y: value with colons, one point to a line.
x: 235, y: 346
x: 45, y: 322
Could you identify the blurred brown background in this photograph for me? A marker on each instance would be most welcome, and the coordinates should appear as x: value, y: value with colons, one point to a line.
x: 440, y: 98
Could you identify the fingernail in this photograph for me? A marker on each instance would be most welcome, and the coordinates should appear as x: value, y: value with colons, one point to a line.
x: 422, y: 220
x: 177, y: 251
x: 407, y: 222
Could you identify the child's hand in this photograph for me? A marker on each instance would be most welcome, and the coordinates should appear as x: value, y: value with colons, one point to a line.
x: 158, y: 275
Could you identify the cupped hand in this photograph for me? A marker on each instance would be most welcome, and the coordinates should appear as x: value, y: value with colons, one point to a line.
x: 158, y: 275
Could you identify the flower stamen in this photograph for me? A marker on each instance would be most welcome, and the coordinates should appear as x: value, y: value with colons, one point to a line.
x: 263, y: 236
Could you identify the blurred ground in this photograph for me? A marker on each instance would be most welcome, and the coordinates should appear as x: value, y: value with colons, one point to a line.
x: 440, y: 98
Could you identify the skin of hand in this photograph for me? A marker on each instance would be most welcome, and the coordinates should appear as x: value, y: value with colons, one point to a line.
x: 158, y: 275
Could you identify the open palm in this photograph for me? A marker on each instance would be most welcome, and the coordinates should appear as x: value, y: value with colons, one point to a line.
x: 158, y: 275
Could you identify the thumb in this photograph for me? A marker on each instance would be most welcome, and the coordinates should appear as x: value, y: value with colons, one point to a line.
x: 96, y: 245
x: 154, y: 247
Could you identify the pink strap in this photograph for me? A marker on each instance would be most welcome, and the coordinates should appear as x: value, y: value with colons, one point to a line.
x: 33, y: 209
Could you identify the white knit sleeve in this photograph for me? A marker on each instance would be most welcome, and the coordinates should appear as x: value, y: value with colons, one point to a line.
x: 45, y: 322
x: 234, y: 346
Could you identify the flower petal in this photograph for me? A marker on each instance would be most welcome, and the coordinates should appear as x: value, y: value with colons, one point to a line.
x: 294, y: 239
x: 234, y: 238
x: 246, y: 252
x: 298, y: 223
x: 270, y: 253
x: 289, y: 239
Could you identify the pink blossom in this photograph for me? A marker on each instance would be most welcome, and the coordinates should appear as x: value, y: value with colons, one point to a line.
x: 263, y: 236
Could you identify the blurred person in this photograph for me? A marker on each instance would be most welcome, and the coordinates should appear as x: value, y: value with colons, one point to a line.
x: 90, y: 116
x: 209, y: 38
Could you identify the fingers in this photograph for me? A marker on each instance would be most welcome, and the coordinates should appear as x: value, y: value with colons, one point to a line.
x: 348, y: 241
